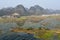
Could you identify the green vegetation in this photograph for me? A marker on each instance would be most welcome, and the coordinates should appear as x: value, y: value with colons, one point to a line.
x: 41, y: 27
x: 44, y: 34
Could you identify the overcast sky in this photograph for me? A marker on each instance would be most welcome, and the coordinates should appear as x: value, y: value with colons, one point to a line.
x: 51, y: 4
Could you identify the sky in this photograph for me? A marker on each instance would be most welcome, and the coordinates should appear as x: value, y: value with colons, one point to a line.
x: 50, y: 4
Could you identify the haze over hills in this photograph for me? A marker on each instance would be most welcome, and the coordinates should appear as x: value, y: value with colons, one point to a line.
x: 33, y: 10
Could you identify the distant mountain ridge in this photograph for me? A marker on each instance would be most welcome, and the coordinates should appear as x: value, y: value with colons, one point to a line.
x: 34, y: 10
